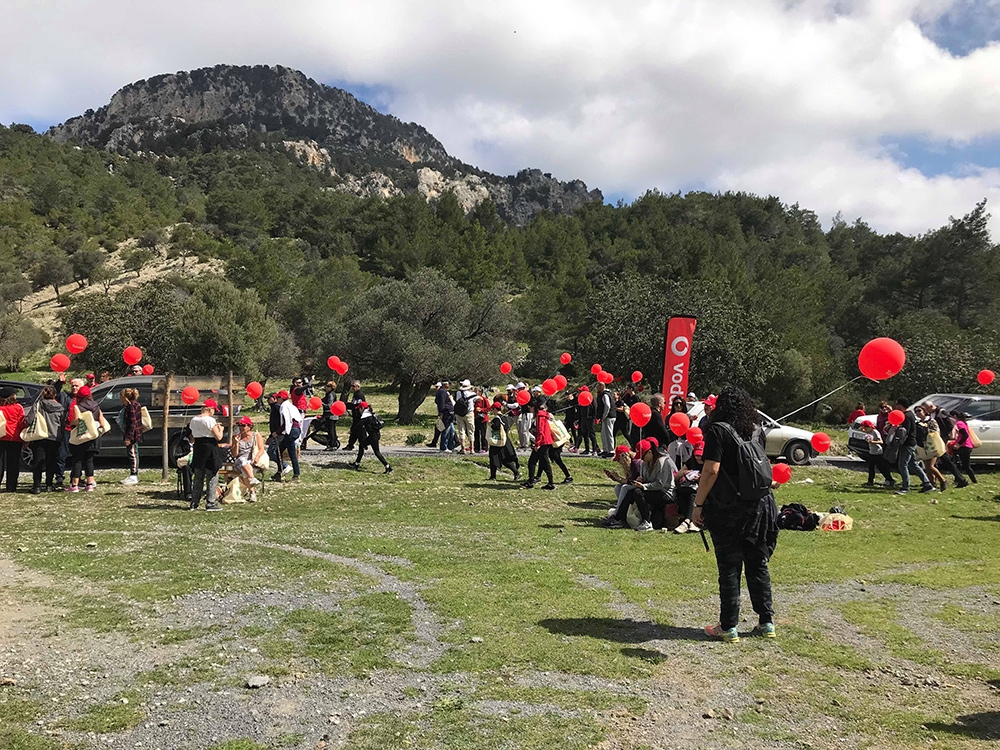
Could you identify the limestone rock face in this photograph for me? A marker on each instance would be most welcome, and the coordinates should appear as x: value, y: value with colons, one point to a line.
x: 320, y: 127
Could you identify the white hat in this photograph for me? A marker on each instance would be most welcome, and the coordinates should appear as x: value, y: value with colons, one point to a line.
x: 537, y: 389
x: 437, y: 384
x: 521, y: 385
x: 466, y: 383
x: 510, y: 386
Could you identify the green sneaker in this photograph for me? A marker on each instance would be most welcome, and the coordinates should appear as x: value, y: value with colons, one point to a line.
x: 764, y: 630
x: 726, y: 636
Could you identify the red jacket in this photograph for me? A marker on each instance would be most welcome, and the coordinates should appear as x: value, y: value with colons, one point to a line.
x: 543, y: 433
x: 14, y: 414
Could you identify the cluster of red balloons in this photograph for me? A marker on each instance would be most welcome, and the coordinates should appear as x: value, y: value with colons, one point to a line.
x: 881, y: 359
x: 336, y: 364
x: 75, y: 344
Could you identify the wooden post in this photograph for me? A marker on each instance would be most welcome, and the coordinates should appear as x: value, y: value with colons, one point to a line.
x: 167, y: 383
x: 232, y: 415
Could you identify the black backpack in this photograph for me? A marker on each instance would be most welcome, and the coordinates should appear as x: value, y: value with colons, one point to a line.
x: 461, y: 405
x: 754, y: 470
x: 797, y: 517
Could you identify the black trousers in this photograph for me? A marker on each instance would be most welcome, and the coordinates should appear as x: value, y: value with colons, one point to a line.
x: 878, y: 463
x: 356, y: 434
x: 555, y: 455
x: 497, y: 460
x: 333, y: 441
x: 586, y: 435
x: 627, y: 429
x: 684, y: 497
x: 480, y: 444
x: 949, y: 463
x: 81, y: 459
x: 538, y: 462
x: 11, y: 454
x: 650, y: 504
x: 735, y: 554
x: 964, y: 456
x: 62, y: 457
x: 45, y: 454
x: 369, y: 438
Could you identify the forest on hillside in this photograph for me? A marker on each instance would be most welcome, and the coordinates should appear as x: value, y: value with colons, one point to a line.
x: 408, y: 291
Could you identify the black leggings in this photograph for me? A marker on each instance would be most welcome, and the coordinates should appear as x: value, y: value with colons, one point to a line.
x: 555, y: 455
x: 368, y: 437
x: 480, y: 443
x: 45, y: 456
x: 538, y: 462
x: 684, y: 497
x: 82, y: 460
x: 964, y: 455
x: 11, y: 454
x: 650, y: 504
x: 878, y: 463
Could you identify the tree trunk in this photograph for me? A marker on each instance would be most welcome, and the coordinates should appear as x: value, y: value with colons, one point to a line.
x: 411, y: 396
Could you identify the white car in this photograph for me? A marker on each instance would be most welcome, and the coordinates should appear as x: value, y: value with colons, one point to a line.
x: 792, y: 444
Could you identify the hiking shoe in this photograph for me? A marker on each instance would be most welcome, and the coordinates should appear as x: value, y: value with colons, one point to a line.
x: 388, y: 470
x: 764, y: 630
x: 214, y: 507
x: 549, y: 486
x: 568, y: 480
x: 286, y: 470
x: 612, y: 523
x: 684, y: 527
x: 927, y: 488
x: 726, y: 636
x: 644, y: 526
x: 254, y: 482
x: 131, y: 479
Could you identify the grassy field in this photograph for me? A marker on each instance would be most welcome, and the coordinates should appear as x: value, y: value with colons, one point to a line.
x: 434, y: 609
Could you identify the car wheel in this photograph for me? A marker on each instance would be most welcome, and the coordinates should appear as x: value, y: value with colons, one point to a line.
x: 797, y: 453
x: 27, y: 457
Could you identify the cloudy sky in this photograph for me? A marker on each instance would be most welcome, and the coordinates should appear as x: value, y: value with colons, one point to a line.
x: 887, y: 110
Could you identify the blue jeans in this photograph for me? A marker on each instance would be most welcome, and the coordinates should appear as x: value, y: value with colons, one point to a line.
x: 272, y: 453
x: 907, y: 463
x: 448, y: 438
x: 287, y: 443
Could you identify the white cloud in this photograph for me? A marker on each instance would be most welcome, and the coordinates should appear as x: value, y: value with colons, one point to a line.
x: 772, y: 96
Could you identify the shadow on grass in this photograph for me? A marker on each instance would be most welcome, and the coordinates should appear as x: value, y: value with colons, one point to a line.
x: 977, y: 518
x: 588, y: 521
x: 981, y: 726
x: 177, y: 505
x: 501, y: 484
x: 620, y: 631
x: 645, y: 654
x: 591, y: 505
x: 551, y: 526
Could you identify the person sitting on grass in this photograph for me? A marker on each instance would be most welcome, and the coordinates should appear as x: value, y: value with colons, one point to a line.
x: 628, y: 469
x: 247, y: 449
x: 686, y: 486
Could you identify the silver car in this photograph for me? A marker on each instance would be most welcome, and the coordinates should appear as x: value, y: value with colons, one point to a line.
x: 792, y: 444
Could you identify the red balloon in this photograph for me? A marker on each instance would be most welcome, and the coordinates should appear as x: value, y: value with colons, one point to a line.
x: 148, y: 369
x: 254, y: 389
x: 636, y: 376
x: 565, y: 358
x: 595, y: 368
x: 342, y: 368
x: 881, y: 359
x: 560, y: 381
x: 640, y: 414
x: 605, y: 377
x: 549, y: 387
x: 338, y: 408
x: 586, y: 398
x: 332, y: 362
x: 781, y: 473
x: 986, y: 377
x: 505, y: 368
x: 694, y: 435
x: 59, y: 363
x: 896, y: 417
x: 315, y: 403
x: 679, y: 423
x: 132, y: 355
x: 821, y: 442
x: 75, y: 343
x: 189, y: 394
x: 523, y: 397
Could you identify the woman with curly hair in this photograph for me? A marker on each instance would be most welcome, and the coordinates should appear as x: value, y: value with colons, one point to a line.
x: 744, y: 533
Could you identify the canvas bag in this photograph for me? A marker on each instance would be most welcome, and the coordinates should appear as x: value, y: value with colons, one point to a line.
x: 234, y: 493
x: 37, y: 429
x: 496, y: 437
x: 3, y: 423
x: 263, y: 460
x: 976, y: 442
x: 147, y: 421
x: 87, y: 428
x: 560, y: 435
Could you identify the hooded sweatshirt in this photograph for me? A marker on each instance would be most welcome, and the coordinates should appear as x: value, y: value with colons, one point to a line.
x: 660, y: 476
x: 53, y: 413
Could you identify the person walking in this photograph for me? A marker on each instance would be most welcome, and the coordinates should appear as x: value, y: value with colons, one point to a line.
x: 10, y: 440
x: 465, y: 417
x: 85, y: 441
x: 502, y: 451
x: 946, y: 430
x: 45, y: 453
x: 875, y: 459
x: 131, y: 425
x: 539, y: 459
x: 929, y: 445
x: 482, y: 414
x: 207, y: 457
x: 329, y: 418
x: 291, y: 429
x: 963, y: 445
x: 907, y: 459
x: 606, y: 417
x: 369, y: 437
x: 357, y: 396
x: 744, y: 527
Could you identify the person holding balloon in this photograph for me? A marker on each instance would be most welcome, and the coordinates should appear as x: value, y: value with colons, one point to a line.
x: 585, y: 420
x: 907, y: 448
x: 329, y: 418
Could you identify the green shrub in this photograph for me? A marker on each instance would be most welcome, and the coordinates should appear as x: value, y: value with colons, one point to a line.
x: 416, y: 438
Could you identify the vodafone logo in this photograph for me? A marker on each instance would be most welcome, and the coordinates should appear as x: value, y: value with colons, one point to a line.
x: 680, y: 346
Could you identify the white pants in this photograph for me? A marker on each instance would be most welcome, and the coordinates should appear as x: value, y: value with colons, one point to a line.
x: 524, y: 422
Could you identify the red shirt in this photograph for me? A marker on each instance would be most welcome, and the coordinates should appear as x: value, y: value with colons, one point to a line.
x: 543, y: 433
x: 14, y: 414
x: 856, y: 414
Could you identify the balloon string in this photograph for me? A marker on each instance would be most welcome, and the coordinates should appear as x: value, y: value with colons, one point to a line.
x: 859, y: 377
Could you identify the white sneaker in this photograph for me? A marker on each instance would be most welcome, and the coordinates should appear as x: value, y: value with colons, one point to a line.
x: 286, y: 470
x: 131, y: 479
x: 253, y: 497
x: 254, y: 481
x: 683, y: 527
x: 644, y: 526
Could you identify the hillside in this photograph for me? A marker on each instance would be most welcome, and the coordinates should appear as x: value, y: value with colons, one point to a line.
x: 361, y: 150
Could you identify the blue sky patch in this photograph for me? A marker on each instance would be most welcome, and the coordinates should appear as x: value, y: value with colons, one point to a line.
x: 933, y: 158
x: 377, y: 96
x: 966, y: 26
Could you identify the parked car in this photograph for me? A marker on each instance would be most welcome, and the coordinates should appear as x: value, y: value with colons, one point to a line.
x: 984, y: 420
x: 27, y: 393
x: 792, y: 444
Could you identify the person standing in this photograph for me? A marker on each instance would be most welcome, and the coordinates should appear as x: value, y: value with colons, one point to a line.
x: 446, y: 414
x: 329, y: 418
x: 946, y: 430
x: 502, y: 451
x: 709, y: 406
x: 83, y: 452
x: 623, y: 424
x: 68, y: 401
x: 744, y: 529
x: 907, y: 461
x: 131, y: 424
x: 585, y: 420
x: 437, y: 423
x: 465, y: 417
x: 369, y: 437
x: 207, y: 458
x: 859, y: 411
x: 606, y: 417
x: 482, y: 414
x: 10, y: 440
x: 356, y: 397
x: 274, y: 430
x: 45, y: 453
x: 524, y: 421
x: 291, y: 429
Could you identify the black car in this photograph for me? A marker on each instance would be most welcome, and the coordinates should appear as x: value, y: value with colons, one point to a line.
x: 27, y: 393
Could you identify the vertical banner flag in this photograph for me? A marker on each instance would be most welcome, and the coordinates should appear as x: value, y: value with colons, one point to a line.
x: 677, y: 356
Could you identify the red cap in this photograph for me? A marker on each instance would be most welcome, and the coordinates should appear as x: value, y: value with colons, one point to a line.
x: 583, y: 388
x: 363, y: 405
x: 84, y: 391
x: 641, y: 447
x: 620, y: 450
x: 210, y: 404
x: 709, y: 401
x: 699, y: 448
x: 246, y: 420
x: 653, y: 442
x: 282, y: 394
x: 91, y: 376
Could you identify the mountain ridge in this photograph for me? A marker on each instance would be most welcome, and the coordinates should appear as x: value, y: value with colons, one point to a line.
x: 322, y: 127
